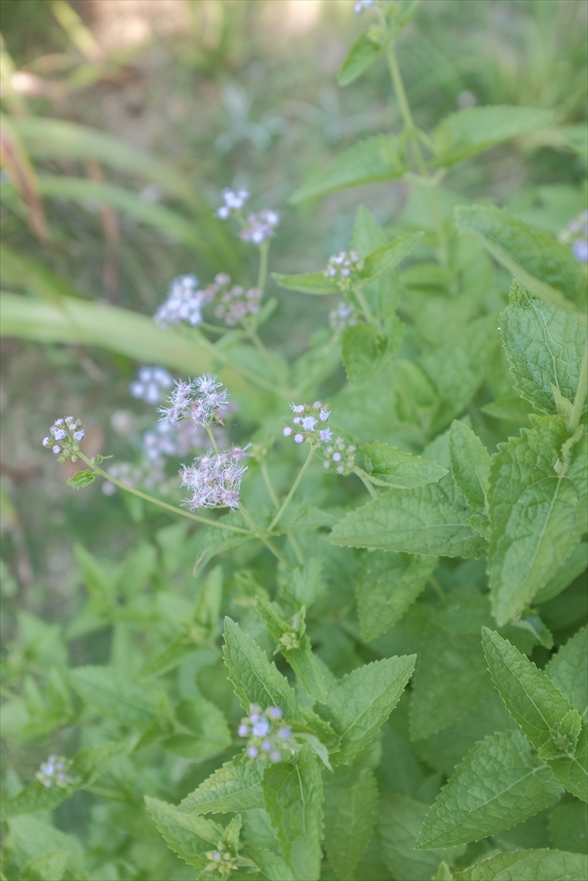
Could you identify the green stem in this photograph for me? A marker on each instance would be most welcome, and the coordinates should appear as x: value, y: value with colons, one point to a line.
x: 260, y: 535
x: 413, y: 134
x: 580, y: 396
x: 369, y: 315
x: 437, y: 587
x: 212, y: 438
x: 263, y: 262
x: 369, y: 486
x: 293, y: 489
x: 158, y: 502
x: 276, y: 504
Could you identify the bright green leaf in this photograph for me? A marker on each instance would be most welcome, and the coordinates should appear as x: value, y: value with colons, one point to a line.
x: 388, y: 585
x: 544, y: 347
x: 470, y: 462
x: 233, y: 787
x: 529, y: 865
x: 293, y: 794
x: 568, y: 670
x: 387, y: 257
x: 476, y: 129
x: 572, y: 568
x: 361, y: 702
x: 499, y: 784
x: 538, y: 507
x: 351, y: 803
x: 393, y: 467
x: 188, y: 835
x: 360, y: 58
x: 48, y: 867
x: 373, y: 159
x: 109, y: 693
x: 308, y: 283
x: 542, y: 264
x: 366, y: 353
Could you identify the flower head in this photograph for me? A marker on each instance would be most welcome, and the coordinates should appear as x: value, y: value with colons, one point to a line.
x: 184, y: 302
x: 234, y: 303
x: 215, y: 479
x: 342, y: 316
x: 340, y: 457
x: 342, y: 267
x: 65, y: 436
x: 363, y: 4
x: 233, y: 201
x: 199, y: 400
x: 54, y: 772
x: 309, y: 420
x: 260, y: 227
x: 151, y: 383
x: 575, y: 234
x: 268, y: 738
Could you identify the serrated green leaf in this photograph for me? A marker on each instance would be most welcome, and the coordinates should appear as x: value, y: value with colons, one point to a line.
x: 393, y: 467
x: 568, y: 670
x: 360, y: 58
x: 450, y: 676
x: 293, y: 794
x: 368, y: 234
x: 255, y: 679
x: 81, y: 479
x: 510, y: 408
x: 301, y: 658
x: 361, y: 702
x: 366, y: 353
x: 210, y: 541
x: 108, y: 692
x: 568, y: 826
x: 48, y: 867
x: 543, y: 713
x: 544, y: 346
x: 542, y: 264
x: 201, y: 731
x: 430, y: 520
x: 572, y: 770
x: 537, y: 513
x: 499, y: 784
x: 470, y: 462
x: 187, y: 835
x: 270, y: 864
x: 171, y: 656
x: 529, y: 865
x: 476, y: 129
x: 31, y: 839
x: 307, y: 283
x: 458, y: 366
x: 351, y: 803
x: 574, y: 566
x: 388, y: 585
x: 373, y: 159
x: 236, y: 786
x: 386, y: 258
x: 399, y: 823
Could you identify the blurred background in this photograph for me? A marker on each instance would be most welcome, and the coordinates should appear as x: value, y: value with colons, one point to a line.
x: 124, y: 121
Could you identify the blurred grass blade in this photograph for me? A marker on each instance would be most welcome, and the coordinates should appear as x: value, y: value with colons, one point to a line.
x: 81, y: 36
x: 16, y: 163
x: 87, y: 191
x: 118, y: 330
x: 20, y: 271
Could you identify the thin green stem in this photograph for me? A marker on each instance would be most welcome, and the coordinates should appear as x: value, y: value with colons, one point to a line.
x: 580, y: 396
x: 413, y: 134
x: 261, y: 536
x: 272, y: 494
x: 293, y: 489
x: 263, y: 263
x: 212, y: 438
x: 158, y: 502
x: 369, y: 315
x: 369, y: 486
x: 437, y: 587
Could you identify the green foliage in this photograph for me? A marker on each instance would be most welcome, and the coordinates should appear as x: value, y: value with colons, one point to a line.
x: 400, y: 690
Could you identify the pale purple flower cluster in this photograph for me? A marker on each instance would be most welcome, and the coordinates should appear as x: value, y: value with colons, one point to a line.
x: 363, y: 4
x: 310, y: 423
x: 340, y: 457
x: 235, y: 303
x: 148, y: 474
x: 54, y: 772
x: 184, y: 302
x: 151, y: 383
x: 342, y: 316
x: 267, y: 736
x: 65, y: 436
x: 221, y: 860
x: 234, y: 201
x: 215, y: 479
x: 575, y: 235
x: 342, y: 266
x: 166, y: 439
x: 199, y: 400
x: 260, y: 226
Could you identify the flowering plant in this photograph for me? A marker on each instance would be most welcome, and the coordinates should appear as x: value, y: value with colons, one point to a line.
x: 349, y: 641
